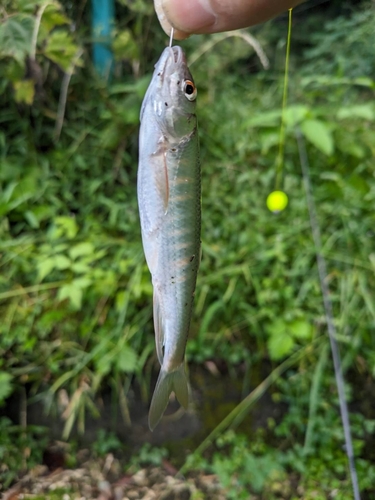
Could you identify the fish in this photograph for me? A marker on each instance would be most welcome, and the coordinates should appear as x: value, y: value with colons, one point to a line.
x: 169, y: 201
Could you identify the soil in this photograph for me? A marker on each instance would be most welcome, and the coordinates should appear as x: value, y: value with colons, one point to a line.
x: 102, y: 479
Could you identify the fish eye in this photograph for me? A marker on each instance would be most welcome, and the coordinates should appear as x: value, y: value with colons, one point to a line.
x: 190, y: 90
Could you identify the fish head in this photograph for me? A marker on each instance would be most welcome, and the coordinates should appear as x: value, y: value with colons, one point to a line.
x: 173, y: 93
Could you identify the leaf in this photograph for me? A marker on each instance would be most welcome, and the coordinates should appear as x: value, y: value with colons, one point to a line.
x: 65, y: 226
x: 319, y: 135
x: 300, y: 329
x: 104, y: 364
x: 72, y: 292
x: 14, y: 71
x: 61, y: 49
x: 85, y: 248
x: 45, y: 267
x: 265, y: 119
x: 110, y: 136
x: 80, y: 268
x: 358, y: 183
x: 82, y: 282
x: 27, y: 5
x: 52, y: 17
x: 280, y: 344
x: 295, y: 114
x: 5, y: 386
x: 365, y: 111
x: 15, y: 36
x: 62, y: 262
x: 31, y: 219
x: 268, y: 140
x: 127, y: 360
x: 348, y: 143
x: 125, y: 47
x: 331, y: 80
x: 276, y: 327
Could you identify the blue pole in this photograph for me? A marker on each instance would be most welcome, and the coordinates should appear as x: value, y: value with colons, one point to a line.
x: 103, y: 13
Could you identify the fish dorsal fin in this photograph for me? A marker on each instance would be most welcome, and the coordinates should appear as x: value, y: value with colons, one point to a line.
x: 158, y: 326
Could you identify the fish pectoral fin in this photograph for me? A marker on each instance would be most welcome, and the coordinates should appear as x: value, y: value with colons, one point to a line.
x: 167, y: 382
x: 158, y: 327
x: 161, y: 172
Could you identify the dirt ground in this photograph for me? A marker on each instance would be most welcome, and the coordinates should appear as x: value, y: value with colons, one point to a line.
x: 102, y: 479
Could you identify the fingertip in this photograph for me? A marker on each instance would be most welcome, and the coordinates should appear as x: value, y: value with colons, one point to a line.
x: 165, y: 24
x: 180, y: 35
x: 185, y: 17
x: 212, y: 16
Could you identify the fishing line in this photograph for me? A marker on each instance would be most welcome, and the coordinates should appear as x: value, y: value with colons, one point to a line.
x: 280, y: 157
x: 171, y: 37
x: 322, y: 270
x: 278, y: 200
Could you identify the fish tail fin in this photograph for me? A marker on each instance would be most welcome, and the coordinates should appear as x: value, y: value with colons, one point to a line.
x: 175, y: 381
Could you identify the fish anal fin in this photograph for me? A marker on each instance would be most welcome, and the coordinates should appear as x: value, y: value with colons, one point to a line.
x: 158, y: 326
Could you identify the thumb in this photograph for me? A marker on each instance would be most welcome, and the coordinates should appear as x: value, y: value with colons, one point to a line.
x: 212, y: 16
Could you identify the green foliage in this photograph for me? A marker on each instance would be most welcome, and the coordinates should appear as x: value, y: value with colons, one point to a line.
x: 263, y: 291
x: 74, y: 288
x: 28, y: 38
x: 246, y: 466
x: 5, y: 386
x: 148, y: 455
x: 341, y: 36
x: 258, y: 279
x: 19, y: 448
x: 322, y: 456
x: 106, y: 442
x: 242, y: 468
x: 75, y: 294
x: 16, y: 35
x: 283, y: 335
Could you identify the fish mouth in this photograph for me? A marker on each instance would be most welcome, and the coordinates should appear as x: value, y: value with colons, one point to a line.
x: 172, y: 58
x: 178, y: 54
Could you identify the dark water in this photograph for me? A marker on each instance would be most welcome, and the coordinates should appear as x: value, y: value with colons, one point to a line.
x: 213, y: 397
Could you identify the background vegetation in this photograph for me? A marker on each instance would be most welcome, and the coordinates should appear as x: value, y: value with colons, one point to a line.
x: 75, y: 294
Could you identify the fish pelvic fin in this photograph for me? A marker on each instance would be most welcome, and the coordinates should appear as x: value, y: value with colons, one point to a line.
x: 168, y: 382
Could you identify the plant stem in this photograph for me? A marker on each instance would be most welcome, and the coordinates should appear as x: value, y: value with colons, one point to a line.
x: 30, y: 289
x: 322, y: 270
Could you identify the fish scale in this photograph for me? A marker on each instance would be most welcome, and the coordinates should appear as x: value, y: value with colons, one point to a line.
x: 170, y: 214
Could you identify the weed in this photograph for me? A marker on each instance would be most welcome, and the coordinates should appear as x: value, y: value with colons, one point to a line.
x: 20, y: 448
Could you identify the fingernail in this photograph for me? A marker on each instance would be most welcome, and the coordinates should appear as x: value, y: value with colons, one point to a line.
x: 165, y: 24
x: 189, y: 16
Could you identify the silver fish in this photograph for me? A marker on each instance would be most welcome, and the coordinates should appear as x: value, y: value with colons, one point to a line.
x: 170, y: 214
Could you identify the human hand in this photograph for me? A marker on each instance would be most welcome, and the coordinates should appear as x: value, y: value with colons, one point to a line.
x: 212, y: 16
